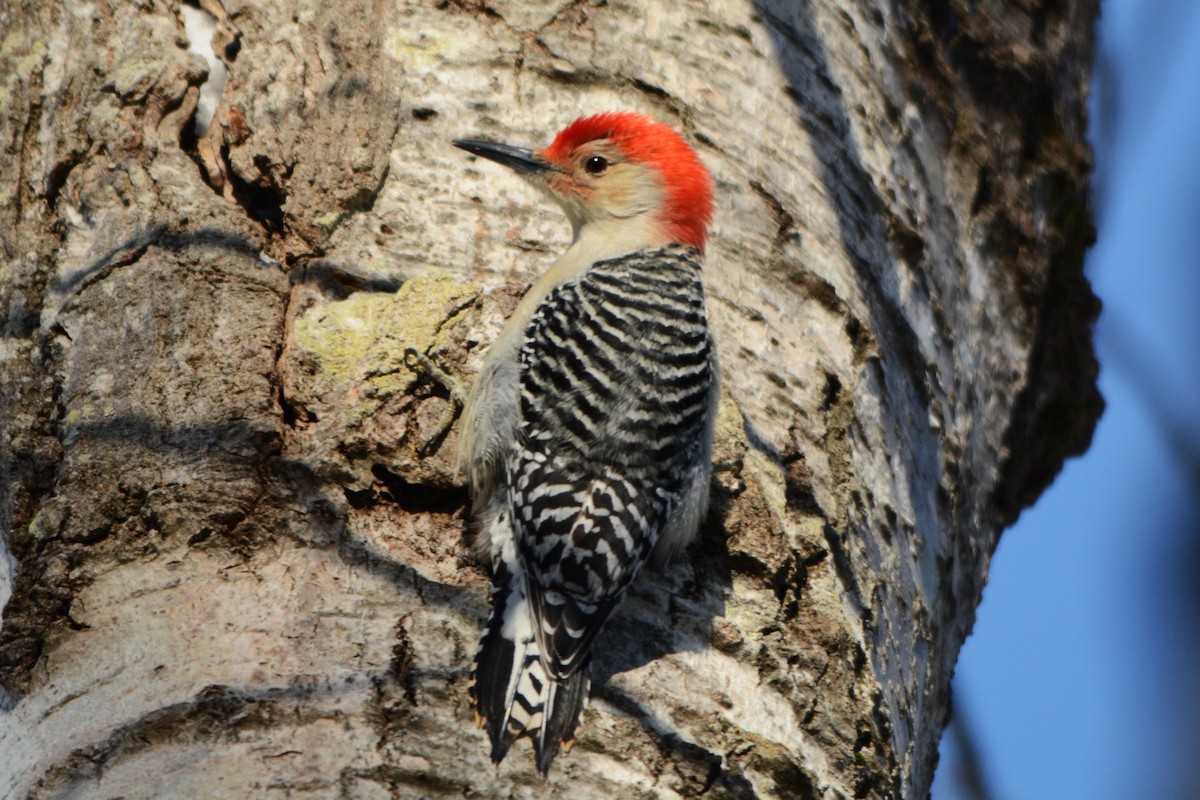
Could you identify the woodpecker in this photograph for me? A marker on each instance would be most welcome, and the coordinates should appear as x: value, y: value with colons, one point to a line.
x: 588, y: 434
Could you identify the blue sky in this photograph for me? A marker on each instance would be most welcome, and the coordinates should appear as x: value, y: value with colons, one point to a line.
x: 1081, y: 680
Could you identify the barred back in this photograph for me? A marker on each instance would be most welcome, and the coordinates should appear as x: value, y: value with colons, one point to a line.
x: 616, y: 370
x: 616, y: 376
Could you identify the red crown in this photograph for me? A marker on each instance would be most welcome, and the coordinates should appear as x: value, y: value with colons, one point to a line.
x: 689, y: 187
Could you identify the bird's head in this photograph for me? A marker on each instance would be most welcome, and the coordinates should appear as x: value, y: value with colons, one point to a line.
x: 621, y: 173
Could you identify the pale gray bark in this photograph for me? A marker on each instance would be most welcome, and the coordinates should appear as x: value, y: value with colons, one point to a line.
x: 228, y: 484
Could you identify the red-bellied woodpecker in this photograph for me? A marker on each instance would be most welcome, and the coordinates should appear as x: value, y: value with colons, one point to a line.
x: 588, y: 435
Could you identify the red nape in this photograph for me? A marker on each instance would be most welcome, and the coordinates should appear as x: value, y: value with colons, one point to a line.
x: 689, y: 206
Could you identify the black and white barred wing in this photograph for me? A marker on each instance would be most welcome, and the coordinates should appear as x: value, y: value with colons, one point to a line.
x: 616, y: 374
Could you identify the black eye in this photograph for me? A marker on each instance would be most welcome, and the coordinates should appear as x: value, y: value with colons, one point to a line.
x: 596, y: 165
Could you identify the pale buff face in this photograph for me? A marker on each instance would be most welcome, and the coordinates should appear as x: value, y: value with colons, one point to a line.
x: 620, y: 190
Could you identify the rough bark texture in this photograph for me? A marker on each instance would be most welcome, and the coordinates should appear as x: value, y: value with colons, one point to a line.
x: 229, y: 366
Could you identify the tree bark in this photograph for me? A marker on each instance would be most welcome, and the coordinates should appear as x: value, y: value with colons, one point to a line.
x: 231, y: 361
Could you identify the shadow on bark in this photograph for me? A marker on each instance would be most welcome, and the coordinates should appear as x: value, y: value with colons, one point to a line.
x: 819, y: 108
x: 336, y: 279
x: 864, y: 236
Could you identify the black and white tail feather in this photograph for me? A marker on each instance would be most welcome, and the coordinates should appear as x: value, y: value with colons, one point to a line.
x: 511, y: 690
x: 591, y: 453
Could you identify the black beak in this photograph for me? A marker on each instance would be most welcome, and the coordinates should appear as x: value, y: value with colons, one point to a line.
x: 520, y: 159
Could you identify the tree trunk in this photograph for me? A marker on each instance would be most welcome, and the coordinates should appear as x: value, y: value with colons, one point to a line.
x: 231, y: 359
